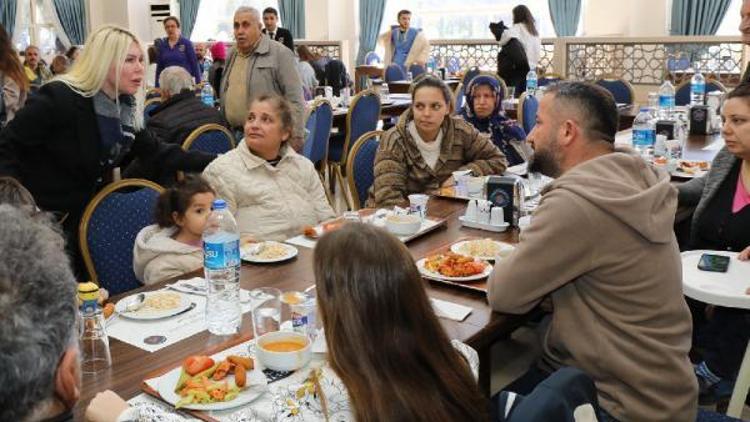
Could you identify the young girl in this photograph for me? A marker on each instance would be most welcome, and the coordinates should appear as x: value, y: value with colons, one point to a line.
x: 172, y: 246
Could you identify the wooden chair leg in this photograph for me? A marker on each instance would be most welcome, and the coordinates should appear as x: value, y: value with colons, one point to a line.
x: 344, y: 191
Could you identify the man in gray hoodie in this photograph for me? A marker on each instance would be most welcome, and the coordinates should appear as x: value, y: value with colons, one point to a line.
x: 601, y: 245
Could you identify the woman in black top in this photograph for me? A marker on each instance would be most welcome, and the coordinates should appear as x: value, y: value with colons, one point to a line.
x: 722, y: 222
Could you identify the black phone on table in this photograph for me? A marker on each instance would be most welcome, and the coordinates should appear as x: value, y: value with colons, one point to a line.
x: 714, y: 263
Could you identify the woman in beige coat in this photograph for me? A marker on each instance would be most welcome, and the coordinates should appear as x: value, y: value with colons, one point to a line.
x: 272, y: 191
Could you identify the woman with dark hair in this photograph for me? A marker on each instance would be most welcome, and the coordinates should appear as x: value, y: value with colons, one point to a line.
x: 389, y: 359
x: 420, y: 153
x: 483, y: 109
x: 13, y: 81
x: 175, y: 50
x: 721, y: 222
x: 524, y: 30
x: 73, y: 53
x: 307, y: 70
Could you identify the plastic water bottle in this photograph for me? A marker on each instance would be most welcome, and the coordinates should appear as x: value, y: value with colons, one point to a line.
x: 697, y: 88
x: 531, y: 82
x: 207, y: 94
x: 666, y: 100
x: 644, y: 131
x: 221, y: 262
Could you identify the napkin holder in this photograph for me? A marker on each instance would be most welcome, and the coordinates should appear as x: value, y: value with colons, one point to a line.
x: 700, y: 120
x: 666, y: 128
x: 506, y: 192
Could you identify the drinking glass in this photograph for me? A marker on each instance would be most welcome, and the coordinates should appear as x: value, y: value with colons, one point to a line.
x: 267, y: 313
x: 94, y: 343
x: 510, y: 93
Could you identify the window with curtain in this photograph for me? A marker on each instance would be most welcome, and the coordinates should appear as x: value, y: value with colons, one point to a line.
x: 214, y: 21
x: 35, y: 24
x: 461, y: 19
x: 731, y: 23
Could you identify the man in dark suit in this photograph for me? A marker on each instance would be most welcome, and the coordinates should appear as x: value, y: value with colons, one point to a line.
x: 272, y: 28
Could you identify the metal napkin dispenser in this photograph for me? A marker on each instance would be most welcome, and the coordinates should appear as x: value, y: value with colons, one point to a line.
x: 506, y: 192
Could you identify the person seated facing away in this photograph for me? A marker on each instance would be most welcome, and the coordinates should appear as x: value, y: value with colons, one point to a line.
x: 427, y: 145
x: 601, y: 245
x: 483, y: 109
x: 36, y: 72
x: 181, y: 111
x: 59, y: 65
x: 405, y: 368
x: 38, y: 326
x: 219, y: 53
x: 306, y: 70
x: 721, y: 222
x: 173, y: 246
x: 272, y: 191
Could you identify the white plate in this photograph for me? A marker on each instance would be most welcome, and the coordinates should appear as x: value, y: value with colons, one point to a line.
x: 505, y: 249
x: 291, y: 252
x: 429, y: 274
x: 697, y: 172
x: 146, y: 314
x: 255, y: 387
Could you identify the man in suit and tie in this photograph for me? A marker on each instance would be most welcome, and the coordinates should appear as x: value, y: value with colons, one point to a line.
x: 272, y: 28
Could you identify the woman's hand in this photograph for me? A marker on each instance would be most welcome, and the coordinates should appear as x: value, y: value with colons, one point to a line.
x: 745, y: 254
x: 105, y: 407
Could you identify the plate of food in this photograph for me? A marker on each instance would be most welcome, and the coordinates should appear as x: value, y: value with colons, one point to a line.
x: 690, y: 168
x: 454, y: 267
x: 319, y: 230
x: 267, y: 252
x: 486, y: 249
x: 152, y: 305
x: 202, y: 383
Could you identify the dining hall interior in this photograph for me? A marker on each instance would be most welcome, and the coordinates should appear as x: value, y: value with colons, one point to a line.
x: 375, y: 210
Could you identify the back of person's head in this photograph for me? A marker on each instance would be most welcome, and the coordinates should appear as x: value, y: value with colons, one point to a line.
x: 59, y: 65
x: 522, y: 14
x: 106, y: 47
x: 71, y: 53
x: 175, y: 79
x: 10, y: 64
x: 740, y: 91
x: 305, y: 54
x: 219, y: 51
x: 175, y: 201
x: 592, y: 106
x: 37, y: 315
x: 384, y: 340
x: 427, y: 80
x: 14, y: 193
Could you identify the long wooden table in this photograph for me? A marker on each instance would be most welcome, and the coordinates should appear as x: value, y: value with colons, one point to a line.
x: 482, y: 328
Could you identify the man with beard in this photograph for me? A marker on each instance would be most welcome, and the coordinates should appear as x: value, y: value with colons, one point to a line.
x: 601, y: 245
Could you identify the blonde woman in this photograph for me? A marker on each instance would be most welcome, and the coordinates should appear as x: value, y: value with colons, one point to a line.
x: 64, y: 145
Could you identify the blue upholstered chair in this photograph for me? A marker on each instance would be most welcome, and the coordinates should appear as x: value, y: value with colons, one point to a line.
x: 620, y: 89
x: 527, y: 107
x: 150, y: 106
x: 360, y: 167
x: 549, y: 79
x: 210, y: 138
x: 453, y: 65
x: 459, y: 98
x: 318, y: 123
x: 372, y: 58
x: 682, y: 92
x: 395, y: 72
x: 362, y: 117
x: 709, y: 416
x: 108, y: 229
x: 416, y: 70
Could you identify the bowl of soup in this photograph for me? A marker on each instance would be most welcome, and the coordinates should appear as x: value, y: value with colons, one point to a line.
x: 283, y: 350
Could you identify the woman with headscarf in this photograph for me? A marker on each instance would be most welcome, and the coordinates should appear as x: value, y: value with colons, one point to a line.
x: 483, y: 109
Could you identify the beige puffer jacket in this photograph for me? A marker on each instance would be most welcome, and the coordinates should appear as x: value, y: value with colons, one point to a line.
x: 269, y: 203
x: 157, y: 256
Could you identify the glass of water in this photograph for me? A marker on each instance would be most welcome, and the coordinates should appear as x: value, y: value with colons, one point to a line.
x: 266, y: 311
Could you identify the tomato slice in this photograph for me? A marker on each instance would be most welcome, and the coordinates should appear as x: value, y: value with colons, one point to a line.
x: 196, y: 364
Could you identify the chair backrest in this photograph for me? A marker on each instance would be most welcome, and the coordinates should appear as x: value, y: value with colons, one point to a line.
x: 620, y: 89
x: 360, y: 166
x: 149, y: 106
x: 549, y: 79
x: 470, y: 74
x: 372, y: 58
x: 416, y: 70
x: 453, y: 65
x: 682, y: 91
x: 210, y: 138
x: 108, y: 228
x: 394, y: 72
x: 527, y: 107
x: 363, y: 117
x: 319, y: 123
x: 459, y: 98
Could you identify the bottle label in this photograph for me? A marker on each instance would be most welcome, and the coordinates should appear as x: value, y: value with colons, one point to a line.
x: 221, y: 255
x: 643, y: 137
x: 666, y: 101
x: 698, y: 88
x: 530, y: 84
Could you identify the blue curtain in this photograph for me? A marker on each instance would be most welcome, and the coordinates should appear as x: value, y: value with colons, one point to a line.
x: 72, y: 15
x: 188, y: 13
x: 697, y: 17
x: 370, y: 17
x: 292, y: 14
x: 8, y: 15
x: 565, y: 15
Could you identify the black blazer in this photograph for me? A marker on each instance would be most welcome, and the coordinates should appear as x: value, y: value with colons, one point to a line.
x: 283, y: 36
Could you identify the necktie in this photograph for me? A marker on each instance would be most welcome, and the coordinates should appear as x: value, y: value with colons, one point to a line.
x: 273, y: 35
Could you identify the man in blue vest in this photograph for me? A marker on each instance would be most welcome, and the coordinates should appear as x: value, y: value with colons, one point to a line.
x: 405, y: 45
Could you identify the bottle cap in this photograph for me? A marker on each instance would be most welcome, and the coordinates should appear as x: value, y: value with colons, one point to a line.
x: 219, y: 204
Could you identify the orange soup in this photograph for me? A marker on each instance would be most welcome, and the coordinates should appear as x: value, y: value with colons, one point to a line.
x: 283, y: 346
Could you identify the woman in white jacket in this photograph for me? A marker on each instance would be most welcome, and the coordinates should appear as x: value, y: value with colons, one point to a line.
x: 272, y: 191
x: 524, y: 30
x: 173, y: 246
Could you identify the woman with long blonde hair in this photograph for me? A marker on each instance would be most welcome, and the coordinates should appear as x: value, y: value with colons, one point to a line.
x: 13, y: 83
x: 82, y: 125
